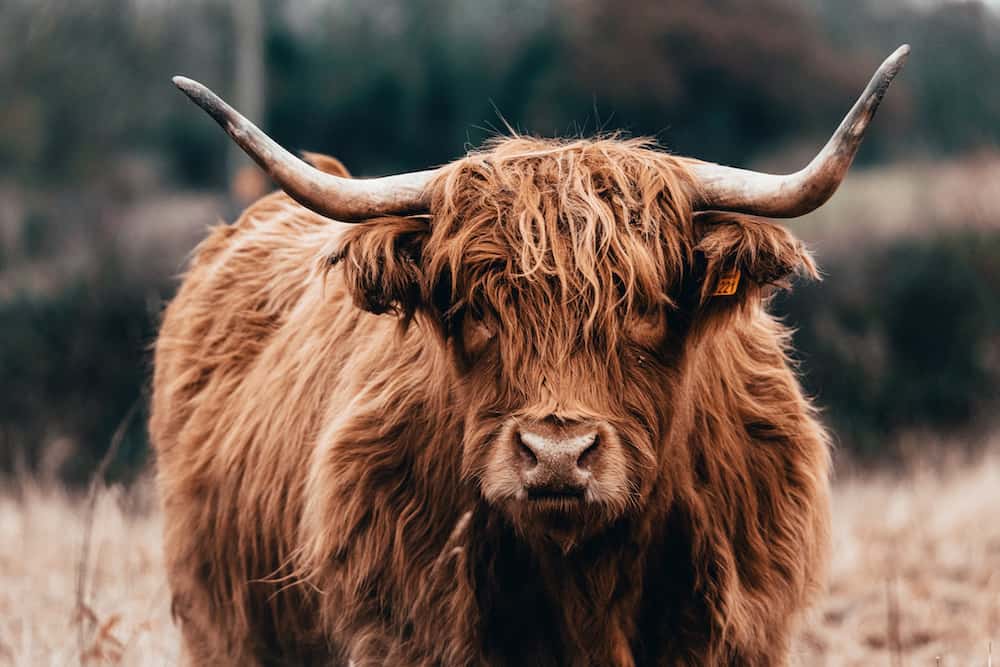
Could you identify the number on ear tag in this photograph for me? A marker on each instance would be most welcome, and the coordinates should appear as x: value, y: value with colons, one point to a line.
x: 728, y: 282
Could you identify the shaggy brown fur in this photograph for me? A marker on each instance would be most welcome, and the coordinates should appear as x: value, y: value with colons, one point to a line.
x: 337, y: 484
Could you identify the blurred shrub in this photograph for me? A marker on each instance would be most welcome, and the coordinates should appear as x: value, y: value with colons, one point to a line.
x: 72, y: 365
x: 903, y: 338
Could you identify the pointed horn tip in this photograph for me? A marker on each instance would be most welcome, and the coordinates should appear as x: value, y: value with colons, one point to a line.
x: 884, y: 77
x: 895, y: 62
x: 184, y: 83
x: 203, y: 96
x: 199, y: 93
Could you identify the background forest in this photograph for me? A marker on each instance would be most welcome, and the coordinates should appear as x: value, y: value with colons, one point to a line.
x: 108, y: 176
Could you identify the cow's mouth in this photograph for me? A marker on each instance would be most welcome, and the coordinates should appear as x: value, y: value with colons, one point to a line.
x: 542, y: 495
x: 556, y: 500
x: 563, y: 506
x: 564, y: 517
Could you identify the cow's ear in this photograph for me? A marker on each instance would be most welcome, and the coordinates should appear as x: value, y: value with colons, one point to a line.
x: 327, y: 163
x: 739, y: 257
x: 380, y: 259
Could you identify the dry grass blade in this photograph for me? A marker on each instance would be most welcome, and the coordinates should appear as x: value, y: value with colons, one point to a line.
x: 88, y: 621
x: 892, y: 624
x: 105, y: 646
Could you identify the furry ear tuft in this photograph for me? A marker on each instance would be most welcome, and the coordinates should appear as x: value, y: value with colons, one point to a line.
x: 326, y: 163
x: 762, y: 252
x: 380, y: 259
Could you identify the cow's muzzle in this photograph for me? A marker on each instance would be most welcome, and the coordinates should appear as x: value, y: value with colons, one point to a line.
x: 555, y: 461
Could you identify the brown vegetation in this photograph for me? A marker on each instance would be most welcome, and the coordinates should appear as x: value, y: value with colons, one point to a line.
x: 927, y: 537
x: 123, y: 616
x: 915, y: 572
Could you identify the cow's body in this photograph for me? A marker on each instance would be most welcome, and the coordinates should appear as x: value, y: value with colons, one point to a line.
x: 317, y: 510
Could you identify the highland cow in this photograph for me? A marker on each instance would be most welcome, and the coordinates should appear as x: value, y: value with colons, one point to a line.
x: 531, y: 411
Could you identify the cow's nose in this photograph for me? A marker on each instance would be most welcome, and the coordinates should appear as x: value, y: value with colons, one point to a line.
x: 556, y: 464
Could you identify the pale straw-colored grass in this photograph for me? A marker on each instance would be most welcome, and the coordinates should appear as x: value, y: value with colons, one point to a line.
x: 906, y: 200
x: 915, y: 570
x: 915, y: 574
x: 123, y: 617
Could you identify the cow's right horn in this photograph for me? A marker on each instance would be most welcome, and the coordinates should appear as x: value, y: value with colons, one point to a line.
x: 729, y: 189
x: 335, y: 197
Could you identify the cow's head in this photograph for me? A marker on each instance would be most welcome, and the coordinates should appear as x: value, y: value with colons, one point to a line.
x: 566, y: 279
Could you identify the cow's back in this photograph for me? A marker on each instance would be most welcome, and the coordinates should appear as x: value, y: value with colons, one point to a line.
x: 234, y: 419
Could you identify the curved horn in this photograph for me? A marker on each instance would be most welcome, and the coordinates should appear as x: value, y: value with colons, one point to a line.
x: 339, y: 198
x: 730, y: 189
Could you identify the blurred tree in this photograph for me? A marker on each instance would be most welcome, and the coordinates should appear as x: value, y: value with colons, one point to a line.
x: 722, y: 80
x: 249, y: 94
x: 956, y: 57
x: 400, y: 84
x: 90, y: 82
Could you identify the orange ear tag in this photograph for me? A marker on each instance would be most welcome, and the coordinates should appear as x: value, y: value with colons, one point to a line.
x: 728, y: 282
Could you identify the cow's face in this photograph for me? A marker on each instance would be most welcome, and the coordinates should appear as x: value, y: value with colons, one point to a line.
x: 567, y: 283
x: 570, y: 282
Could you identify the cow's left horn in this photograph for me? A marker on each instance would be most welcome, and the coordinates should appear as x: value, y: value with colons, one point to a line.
x: 339, y: 198
x: 730, y: 189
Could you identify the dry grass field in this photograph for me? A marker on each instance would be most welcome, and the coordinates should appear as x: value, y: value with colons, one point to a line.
x: 915, y: 575
x: 915, y: 569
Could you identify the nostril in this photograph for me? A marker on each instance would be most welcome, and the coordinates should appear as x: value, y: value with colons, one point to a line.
x: 587, y: 456
x: 527, y: 455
